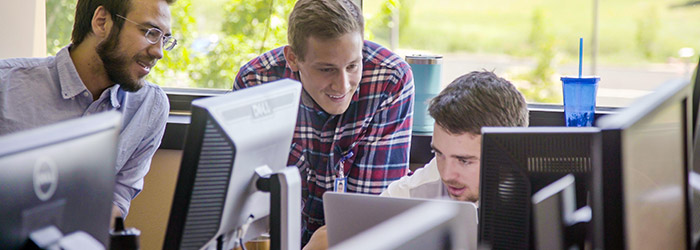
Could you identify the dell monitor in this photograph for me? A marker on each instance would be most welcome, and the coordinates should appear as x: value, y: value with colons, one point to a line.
x: 640, y: 194
x: 516, y: 162
x: 60, y: 176
x: 230, y: 181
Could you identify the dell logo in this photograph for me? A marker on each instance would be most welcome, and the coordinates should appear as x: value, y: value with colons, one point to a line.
x: 45, y: 178
x: 261, y: 109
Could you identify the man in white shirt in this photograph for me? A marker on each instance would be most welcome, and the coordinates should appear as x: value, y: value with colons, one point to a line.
x: 472, y: 101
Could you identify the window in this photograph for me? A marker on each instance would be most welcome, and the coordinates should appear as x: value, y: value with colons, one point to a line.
x: 215, y: 38
x: 640, y: 43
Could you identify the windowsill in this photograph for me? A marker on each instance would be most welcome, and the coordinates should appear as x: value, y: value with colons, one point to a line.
x: 181, y: 100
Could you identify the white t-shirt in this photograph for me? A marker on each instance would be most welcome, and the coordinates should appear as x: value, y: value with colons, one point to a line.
x: 424, y: 183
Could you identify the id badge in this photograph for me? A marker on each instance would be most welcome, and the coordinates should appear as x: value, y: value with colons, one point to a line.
x: 340, y: 185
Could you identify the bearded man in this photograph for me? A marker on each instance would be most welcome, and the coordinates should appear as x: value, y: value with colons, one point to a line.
x: 115, y: 44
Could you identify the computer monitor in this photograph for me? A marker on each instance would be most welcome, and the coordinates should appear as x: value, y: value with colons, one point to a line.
x: 60, y: 175
x: 431, y: 225
x: 516, y: 162
x: 341, y: 211
x: 696, y: 98
x: 232, y: 141
x: 555, y: 216
x: 695, y: 156
x: 640, y: 195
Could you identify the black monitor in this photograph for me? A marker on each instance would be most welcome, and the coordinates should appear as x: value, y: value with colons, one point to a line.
x: 696, y: 98
x: 695, y: 173
x: 555, y: 217
x: 516, y: 162
x: 234, y: 143
x: 640, y: 194
x: 59, y: 176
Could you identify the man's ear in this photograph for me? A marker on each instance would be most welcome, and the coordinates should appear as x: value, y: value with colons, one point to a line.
x: 101, y: 22
x: 291, y: 58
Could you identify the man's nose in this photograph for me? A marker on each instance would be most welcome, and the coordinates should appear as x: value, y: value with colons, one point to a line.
x: 156, y: 50
x: 342, y: 83
x: 451, y: 171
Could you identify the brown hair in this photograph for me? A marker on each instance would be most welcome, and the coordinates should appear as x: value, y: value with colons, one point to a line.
x: 325, y: 19
x: 85, y: 10
x: 478, y: 99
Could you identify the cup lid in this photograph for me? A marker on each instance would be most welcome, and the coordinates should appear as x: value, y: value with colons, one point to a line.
x: 582, y: 77
x: 424, y: 59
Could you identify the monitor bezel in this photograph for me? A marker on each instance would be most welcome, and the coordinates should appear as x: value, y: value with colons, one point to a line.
x: 608, y: 226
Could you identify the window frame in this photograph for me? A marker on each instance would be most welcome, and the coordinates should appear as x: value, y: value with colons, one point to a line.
x: 181, y: 105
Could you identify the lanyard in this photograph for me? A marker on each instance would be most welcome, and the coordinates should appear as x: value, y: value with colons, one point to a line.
x: 341, y: 163
x: 340, y: 183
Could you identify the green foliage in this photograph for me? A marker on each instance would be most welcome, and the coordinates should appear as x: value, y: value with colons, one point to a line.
x: 647, y: 30
x: 503, y: 27
x: 249, y: 28
x: 538, y: 31
x: 378, y: 26
x: 541, y: 80
x: 177, y: 64
x: 59, y: 24
x: 630, y: 32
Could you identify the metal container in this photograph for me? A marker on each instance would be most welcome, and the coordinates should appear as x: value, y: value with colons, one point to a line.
x: 427, y: 76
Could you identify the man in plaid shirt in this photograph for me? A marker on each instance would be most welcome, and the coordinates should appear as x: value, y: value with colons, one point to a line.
x: 356, y: 106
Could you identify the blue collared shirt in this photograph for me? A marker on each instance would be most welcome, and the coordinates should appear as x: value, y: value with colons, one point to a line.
x: 39, y: 91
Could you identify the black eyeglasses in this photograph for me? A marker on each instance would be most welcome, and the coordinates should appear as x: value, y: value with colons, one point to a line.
x: 153, y: 35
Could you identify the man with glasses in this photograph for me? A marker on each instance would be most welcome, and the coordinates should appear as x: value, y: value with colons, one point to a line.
x: 115, y: 44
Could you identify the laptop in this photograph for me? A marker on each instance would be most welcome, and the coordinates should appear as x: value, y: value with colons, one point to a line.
x: 348, y: 214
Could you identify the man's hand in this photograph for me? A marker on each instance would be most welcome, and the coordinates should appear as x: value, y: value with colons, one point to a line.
x: 318, y: 241
x: 116, y: 212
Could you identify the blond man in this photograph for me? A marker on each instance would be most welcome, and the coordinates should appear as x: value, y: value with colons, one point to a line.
x: 354, y: 124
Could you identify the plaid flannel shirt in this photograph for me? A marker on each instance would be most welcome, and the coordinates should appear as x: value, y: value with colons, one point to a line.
x: 376, y: 128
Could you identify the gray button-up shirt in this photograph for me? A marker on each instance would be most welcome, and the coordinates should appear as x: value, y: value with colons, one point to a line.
x: 39, y: 91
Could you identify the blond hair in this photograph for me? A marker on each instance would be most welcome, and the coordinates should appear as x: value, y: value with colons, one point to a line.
x: 324, y: 19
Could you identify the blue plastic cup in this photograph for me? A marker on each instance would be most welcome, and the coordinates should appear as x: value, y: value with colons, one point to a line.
x: 579, y: 100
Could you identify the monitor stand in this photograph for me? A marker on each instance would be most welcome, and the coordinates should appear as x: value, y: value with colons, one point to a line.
x: 285, y: 207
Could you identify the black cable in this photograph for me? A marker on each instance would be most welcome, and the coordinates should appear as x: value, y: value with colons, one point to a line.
x: 220, y: 242
x: 240, y: 241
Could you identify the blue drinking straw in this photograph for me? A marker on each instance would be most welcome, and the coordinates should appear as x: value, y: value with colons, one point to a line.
x: 580, y: 55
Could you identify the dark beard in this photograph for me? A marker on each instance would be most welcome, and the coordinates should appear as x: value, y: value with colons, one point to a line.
x: 116, y: 64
